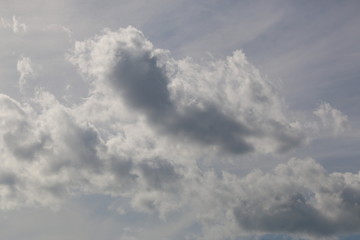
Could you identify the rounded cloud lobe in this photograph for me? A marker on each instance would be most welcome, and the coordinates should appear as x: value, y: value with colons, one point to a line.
x: 147, y: 122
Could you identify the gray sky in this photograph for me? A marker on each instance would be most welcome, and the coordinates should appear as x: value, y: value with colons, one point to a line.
x: 135, y: 120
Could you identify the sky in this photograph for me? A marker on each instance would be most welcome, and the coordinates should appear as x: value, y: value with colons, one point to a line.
x: 173, y: 120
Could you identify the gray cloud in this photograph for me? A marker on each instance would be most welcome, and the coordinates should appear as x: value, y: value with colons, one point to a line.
x: 333, y: 120
x: 300, y: 198
x: 18, y: 135
x: 159, y: 174
x: 8, y: 179
x: 145, y: 78
x: 294, y: 216
x: 22, y: 150
x: 143, y: 84
x: 123, y: 170
x: 210, y: 126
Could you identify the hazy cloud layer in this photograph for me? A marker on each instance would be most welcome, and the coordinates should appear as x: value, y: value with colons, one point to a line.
x: 148, y: 123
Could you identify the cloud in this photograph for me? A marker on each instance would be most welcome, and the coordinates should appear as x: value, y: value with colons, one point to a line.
x: 17, y: 131
x: 66, y: 156
x: 225, y: 104
x: 63, y: 155
x: 146, y: 131
x: 18, y: 27
x: 26, y: 69
x: 300, y: 197
x: 14, y: 25
x: 332, y: 119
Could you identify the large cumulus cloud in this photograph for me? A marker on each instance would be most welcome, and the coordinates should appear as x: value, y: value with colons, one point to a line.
x: 225, y: 103
x: 147, y: 125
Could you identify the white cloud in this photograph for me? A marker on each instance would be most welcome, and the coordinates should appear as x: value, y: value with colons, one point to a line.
x: 148, y: 122
x: 17, y: 26
x: 25, y: 67
x: 300, y: 197
x: 14, y: 25
x: 332, y: 119
x: 225, y: 104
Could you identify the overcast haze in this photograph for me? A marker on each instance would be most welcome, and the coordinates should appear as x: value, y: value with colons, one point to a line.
x: 172, y: 120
